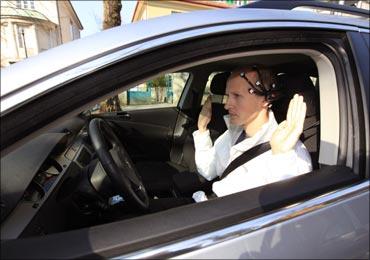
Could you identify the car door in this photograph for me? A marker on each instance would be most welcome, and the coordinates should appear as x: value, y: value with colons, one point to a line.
x: 324, y: 213
x: 146, y: 116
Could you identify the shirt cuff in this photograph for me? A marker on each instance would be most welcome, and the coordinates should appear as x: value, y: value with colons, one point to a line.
x: 202, y: 140
x: 199, y: 196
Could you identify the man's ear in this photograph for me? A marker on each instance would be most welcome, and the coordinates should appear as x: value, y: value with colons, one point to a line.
x: 265, y: 104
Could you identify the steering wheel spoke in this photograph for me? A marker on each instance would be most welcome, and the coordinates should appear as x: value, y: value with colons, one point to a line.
x: 117, y: 163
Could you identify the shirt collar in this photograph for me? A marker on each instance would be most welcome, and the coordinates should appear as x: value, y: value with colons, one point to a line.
x: 263, y: 135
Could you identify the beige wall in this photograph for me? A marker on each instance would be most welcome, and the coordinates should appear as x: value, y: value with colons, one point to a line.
x: 38, y: 37
x: 150, y: 9
x: 8, y: 48
x: 39, y: 34
x: 69, y: 27
x: 47, y: 37
x: 147, y: 9
x: 49, y: 9
x: 13, y: 46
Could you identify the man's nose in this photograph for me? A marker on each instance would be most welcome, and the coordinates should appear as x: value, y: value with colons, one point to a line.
x: 227, y: 103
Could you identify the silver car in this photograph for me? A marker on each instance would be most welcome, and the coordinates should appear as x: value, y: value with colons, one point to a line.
x: 97, y: 156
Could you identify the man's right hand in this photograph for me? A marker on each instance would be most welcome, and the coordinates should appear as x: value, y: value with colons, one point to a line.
x: 205, y: 115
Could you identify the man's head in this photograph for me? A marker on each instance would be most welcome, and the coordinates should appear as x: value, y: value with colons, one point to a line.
x: 250, y: 90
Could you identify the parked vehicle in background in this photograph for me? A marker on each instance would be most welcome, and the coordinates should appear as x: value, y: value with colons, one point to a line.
x: 70, y: 173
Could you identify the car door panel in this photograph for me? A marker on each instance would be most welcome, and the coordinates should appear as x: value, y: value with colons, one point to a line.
x: 309, y: 236
x: 146, y: 133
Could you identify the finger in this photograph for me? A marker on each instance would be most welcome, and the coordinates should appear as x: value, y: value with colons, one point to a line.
x: 209, y: 105
x: 302, y: 116
x: 298, y: 128
x: 282, y: 125
x: 300, y: 105
x: 206, y: 113
x: 208, y: 100
x: 289, y: 113
x: 295, y: 108
x: 291, y: 110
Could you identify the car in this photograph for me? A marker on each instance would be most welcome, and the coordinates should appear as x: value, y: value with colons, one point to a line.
x: 97, y: 155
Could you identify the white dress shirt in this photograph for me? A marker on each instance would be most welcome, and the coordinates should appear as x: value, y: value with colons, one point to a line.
x: 212, y: 160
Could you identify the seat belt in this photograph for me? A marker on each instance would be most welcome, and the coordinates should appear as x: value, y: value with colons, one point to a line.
x: 245, y: 157
x: 253, y: 153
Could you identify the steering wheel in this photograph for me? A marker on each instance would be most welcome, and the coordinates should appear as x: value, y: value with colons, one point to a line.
x: 117, y: 163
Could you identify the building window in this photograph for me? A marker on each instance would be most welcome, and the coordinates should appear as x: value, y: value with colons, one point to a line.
x: 20, y: 35
x: 25, y: 4
x: 50, y: 39
x: 71, y: 30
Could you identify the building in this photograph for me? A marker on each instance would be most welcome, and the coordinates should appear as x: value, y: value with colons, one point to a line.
x: 149, y: 9
x: 363, y: 4
x: 30, y: 27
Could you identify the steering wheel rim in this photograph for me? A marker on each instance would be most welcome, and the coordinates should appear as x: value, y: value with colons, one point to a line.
x: 117, y: 163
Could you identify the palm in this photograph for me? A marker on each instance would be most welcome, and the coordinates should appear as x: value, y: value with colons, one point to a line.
x: 205, y: 114
x: 287, y: 133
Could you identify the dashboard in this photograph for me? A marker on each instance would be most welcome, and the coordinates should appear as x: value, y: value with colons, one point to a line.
x: 38, y: 176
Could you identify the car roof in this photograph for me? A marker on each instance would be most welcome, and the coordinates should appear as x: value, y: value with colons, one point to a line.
x: 62, y: 57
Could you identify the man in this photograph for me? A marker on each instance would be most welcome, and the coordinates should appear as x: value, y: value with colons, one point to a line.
x: 250, y: 122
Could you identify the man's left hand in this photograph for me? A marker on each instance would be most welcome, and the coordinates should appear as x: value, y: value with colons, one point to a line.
x: 288, y: 132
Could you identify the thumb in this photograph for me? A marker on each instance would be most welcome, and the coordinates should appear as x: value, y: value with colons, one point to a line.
x: 282, y: 125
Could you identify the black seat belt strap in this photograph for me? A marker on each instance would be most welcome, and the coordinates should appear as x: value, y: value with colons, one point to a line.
x: 245, y: 157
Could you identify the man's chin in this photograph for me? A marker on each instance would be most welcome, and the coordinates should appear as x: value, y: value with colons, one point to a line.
x: 235, y: 122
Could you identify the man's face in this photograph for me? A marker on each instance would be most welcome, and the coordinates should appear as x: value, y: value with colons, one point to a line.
x: 243, y: 107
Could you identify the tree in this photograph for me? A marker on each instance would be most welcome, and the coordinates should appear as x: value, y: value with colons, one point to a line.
x: 112, y: 18
x: 112, y: 13
x: 159, y: 84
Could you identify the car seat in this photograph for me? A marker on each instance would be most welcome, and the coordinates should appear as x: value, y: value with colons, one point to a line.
x: 218, y: 87
x: 300, y: 83
x: 189, y: 181
x: 159, y: 176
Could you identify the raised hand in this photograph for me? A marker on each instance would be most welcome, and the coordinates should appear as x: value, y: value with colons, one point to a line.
x: 287, y: 133
x: 205, y: 115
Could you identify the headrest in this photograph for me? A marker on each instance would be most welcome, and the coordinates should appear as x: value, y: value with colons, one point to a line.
x: 218, y: 83
x: 298, y: 84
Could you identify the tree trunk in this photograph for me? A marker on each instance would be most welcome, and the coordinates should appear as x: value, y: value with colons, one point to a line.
x: 112, y: 18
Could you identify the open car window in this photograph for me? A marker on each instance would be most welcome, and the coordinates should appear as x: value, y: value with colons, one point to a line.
x: 162, y: 91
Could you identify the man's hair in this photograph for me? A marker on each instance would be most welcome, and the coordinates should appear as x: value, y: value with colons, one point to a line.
x: 265, y: 85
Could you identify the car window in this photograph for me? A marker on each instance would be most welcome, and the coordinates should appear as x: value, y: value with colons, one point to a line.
x: 162, y: 91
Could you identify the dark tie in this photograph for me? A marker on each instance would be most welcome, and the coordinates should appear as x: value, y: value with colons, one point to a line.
x: 241, y: 137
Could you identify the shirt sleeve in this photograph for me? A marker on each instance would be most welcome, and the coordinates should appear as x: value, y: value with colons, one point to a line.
x: 205, y: 155
x: 290, y: 164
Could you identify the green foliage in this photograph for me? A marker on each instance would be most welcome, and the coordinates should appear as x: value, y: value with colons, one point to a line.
x: 159, y: 82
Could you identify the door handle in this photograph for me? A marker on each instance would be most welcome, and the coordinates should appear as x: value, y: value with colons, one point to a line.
x: 123, y: 115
